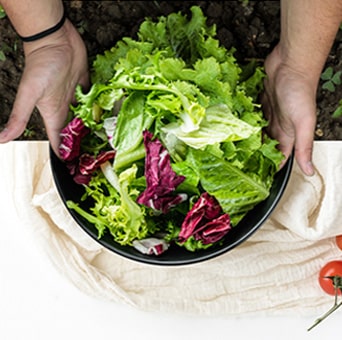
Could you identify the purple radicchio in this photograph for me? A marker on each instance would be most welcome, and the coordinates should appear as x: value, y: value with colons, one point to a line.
x: 161, y: 180
x: 205, y: 221
x: 82, y: 169
x: 71, y: 137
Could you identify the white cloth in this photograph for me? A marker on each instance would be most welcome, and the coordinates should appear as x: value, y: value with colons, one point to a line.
x: 273, y: 273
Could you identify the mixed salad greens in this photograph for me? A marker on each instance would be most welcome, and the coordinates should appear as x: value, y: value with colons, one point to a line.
x: 168, y: 142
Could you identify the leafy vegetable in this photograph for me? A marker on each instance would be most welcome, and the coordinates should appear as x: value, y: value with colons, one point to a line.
x: 161, y: 180
x: 205, y: 221
x: 182, y: 119
x: 71, y: 137
x: 236, y: 191
x: 114, y: 210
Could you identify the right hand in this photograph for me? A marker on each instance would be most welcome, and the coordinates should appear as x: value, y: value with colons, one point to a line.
x: 289, y: 103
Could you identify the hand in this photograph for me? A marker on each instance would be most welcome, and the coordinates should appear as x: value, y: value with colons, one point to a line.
x: 54, y: 66
x: 289, y: 103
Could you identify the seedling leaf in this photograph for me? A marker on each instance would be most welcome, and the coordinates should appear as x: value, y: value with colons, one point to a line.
x: 337, y: 78
x: 329, y: 85
x: 2, y: 56
x: 327, y: 74
x: 338, y: 112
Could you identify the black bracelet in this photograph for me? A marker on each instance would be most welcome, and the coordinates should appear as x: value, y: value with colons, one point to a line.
x: 46, y: 32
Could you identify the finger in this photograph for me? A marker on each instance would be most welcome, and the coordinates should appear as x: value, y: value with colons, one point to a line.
x: 85, y: 85
x: 304, y: 147
x: 285, y: 146
x: 53, y: 130
x: 54, y: 114
x: 274, y: 130
x: 54, y: 127
x: 20, y: 115
x: 54, y: 138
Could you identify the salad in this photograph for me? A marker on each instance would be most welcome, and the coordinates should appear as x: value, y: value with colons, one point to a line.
x: 168, y: 142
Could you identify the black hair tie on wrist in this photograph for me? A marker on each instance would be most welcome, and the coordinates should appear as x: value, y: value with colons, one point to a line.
x: 46, y: 32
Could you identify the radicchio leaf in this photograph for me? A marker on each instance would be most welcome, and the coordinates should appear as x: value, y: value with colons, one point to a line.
x: 89, y: 163
x: 71, y: 137
x: 205, y: 221
x: 151, y: 246
x: 82, y: 169
x: 73, y: 167
x: 161, y: 180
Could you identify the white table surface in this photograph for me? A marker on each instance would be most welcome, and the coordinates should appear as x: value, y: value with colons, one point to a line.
x: 37, y: 302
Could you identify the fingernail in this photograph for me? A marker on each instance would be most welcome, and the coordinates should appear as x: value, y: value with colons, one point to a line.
x: 309, y: 169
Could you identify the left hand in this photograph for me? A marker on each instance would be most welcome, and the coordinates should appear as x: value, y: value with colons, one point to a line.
x: 54, y: 66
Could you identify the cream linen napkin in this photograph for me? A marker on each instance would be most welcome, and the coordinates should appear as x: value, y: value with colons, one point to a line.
x: 273, y: 273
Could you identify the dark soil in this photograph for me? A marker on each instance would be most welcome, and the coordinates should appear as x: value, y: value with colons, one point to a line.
x: 253, y: 29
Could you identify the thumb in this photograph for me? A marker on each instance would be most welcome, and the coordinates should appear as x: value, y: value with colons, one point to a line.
x: 304, y: 147
x: 21, y: 112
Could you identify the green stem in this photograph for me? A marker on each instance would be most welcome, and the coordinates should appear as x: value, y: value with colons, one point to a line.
x: 330, y: 311
x: 129, y: 157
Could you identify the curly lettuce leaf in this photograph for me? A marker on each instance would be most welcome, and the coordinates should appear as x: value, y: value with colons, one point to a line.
x: 116, y: 211
x: 96, y: 105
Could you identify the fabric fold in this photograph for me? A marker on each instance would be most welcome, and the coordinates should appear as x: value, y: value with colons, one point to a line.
x: 273, y: 273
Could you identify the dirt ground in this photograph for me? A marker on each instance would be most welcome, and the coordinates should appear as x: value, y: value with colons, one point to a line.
x: 252, y: 28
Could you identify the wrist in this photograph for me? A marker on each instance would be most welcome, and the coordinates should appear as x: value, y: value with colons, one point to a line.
x: 60, y: 37
x: 280, y: 67
x: 31, y: 17
x: 300, y: 62
x: 45, y: 33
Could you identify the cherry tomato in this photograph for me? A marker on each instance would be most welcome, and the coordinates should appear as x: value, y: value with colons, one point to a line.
x: 339, y: 241
x: 332, y: 268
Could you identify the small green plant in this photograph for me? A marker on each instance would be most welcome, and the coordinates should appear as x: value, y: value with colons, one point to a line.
x: 2, y: 56
x: 2, y: 13
x: 4, y: 48
x: 331, y: 79
x: 28, y: 133
x: 338, y: 112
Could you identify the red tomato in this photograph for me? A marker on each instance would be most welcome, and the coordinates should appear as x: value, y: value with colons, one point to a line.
x: 332, y: 268
x: 339, y: 241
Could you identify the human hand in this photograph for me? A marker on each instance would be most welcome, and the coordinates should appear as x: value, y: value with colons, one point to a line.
x: 289, y: 103
x: 54, y: 66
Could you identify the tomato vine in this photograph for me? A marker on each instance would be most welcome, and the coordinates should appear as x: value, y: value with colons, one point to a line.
x: 330, y: 280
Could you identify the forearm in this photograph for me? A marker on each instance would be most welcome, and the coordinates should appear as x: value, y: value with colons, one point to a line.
x: 308, y: 31
x: 30, y: 17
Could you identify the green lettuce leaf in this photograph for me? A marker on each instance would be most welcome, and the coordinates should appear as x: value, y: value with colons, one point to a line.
x: 236, y: 191
x: 133, y: 119
x: 218, y: 125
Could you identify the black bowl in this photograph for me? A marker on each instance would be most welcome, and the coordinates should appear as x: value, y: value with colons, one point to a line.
x: 175, y: 255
